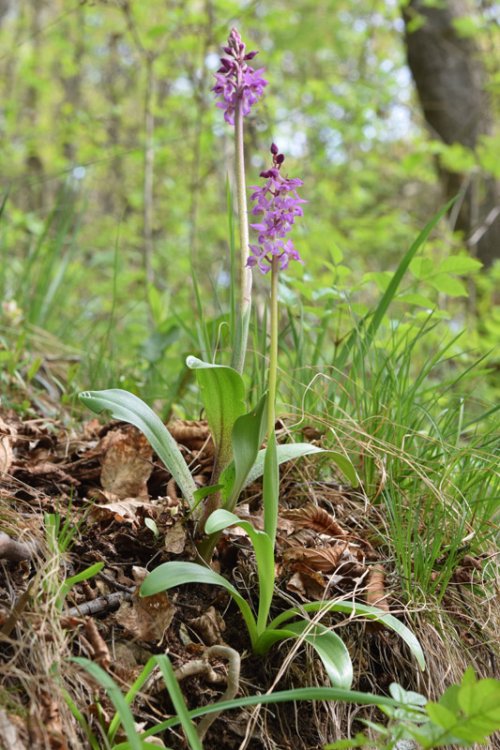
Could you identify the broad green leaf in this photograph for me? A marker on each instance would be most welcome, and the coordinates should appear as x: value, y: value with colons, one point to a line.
x: 290, y: 451
x: 116, y: 697
x: 466, y: 713
x: 177, y: 573
x: 449, y: 285
x: 248, y: 435
x: 264, y: 553
x: 330, y: 648
x: 441, y: 715
x: 223, y: 395
x: 459, y: 264
x: 128, y: 408
x: 417, y: 299
x: 358, y: 609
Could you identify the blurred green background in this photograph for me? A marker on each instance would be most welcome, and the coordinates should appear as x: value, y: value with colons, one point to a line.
x: 114, y: 157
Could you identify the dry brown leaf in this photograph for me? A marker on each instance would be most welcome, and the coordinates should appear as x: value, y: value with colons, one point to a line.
x: 308, y: 584
x: 6, y: 452
x: 209, y: 626
x: 124, y: 511
x: 193, y: 434
x: 127, y: 463
x: 100, y: 649
x: 175, y: 538
x: 51, y: 720
x: 325, y: 559
x: 146, y: 619
x: 312, y: 517
x: 48, y: 468
x: 375, y: 591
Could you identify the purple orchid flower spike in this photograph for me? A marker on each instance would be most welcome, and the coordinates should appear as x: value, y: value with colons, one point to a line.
x: 278, y: 203
x: 236, y: 80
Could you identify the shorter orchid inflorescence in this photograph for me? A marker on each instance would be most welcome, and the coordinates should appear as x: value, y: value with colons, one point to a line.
x: 236, y: 80
x: 279, y: 204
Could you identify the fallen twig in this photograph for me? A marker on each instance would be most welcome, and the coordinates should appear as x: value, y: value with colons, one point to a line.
x: 101, y: 604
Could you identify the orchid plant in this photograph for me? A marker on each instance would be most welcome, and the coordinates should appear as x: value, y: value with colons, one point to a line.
x: 239, y: 434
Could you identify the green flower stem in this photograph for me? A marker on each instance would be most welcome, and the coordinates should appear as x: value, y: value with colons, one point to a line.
x: 273, y: 350
x: 271, y: 469
x: 245, y: 299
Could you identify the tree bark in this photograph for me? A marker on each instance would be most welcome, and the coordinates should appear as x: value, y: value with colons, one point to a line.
x: 451, y: 84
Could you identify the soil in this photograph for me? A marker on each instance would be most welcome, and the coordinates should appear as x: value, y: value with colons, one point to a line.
x: 72, y: 496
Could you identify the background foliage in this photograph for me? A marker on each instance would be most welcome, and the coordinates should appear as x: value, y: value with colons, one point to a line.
x: 115, y: 161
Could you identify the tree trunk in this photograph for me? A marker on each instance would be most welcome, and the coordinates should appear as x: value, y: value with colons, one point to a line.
x: 450, y: 80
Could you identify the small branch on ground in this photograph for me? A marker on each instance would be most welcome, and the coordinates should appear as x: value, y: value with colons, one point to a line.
x: 15, y: 551
x: 100, y: 605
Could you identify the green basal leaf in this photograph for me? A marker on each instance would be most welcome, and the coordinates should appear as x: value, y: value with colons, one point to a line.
x: 128, y: 408
x: 358, y: 609
x: 248, y: 435
x: 177, y: 573
x: 298, y: 694
x: 223, y: 395
x: 264, y: 554
x: 290, y: 451
x: 330, y: 648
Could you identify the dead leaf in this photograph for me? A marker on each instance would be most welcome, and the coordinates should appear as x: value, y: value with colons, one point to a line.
x: 308, y: 584
x: 123, y: 511
x: 50, y: 469
x: 195, y: 435
x: 324, y: 559
x: 146, y: 619
x: 51, y: 720
x: 175, y: 538
x: 209, y: 626
x: 100, y: 649
x: 6, y: 452
x: 312, y: 517
x: 127, y: 463
x: 375, y: 591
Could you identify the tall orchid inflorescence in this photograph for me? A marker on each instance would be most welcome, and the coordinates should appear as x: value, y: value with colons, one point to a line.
x: 279, y: 204
x: 237, y: 82
x: 239, y: 87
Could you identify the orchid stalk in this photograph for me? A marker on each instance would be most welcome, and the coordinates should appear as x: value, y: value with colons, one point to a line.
x: 278, y: 204
x: 239, y: 86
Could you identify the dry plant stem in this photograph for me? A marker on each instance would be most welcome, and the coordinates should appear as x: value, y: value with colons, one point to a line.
x: 15, y: 551
x: 201, y: 666
x: 245, y: 300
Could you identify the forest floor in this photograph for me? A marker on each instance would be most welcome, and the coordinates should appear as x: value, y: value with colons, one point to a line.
x: 76, y: 494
